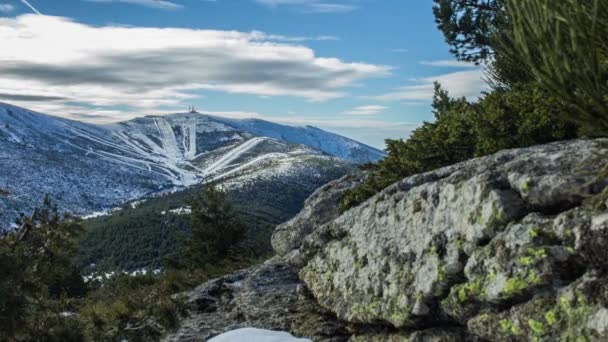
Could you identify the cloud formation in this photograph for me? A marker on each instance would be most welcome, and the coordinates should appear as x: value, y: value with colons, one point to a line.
x: 150, y: 68
x: 469, y: 83
x: 160, y: 4
x: 311, y: 6
x: 366, y: 110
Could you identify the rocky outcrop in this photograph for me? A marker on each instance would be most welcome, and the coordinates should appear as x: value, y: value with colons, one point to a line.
x: 269, y: 296
x: 320, y: 208
x: 509, y: 247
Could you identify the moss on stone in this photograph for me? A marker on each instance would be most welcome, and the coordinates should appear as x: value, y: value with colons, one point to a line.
x: 441, y: 273
x: 597, y: 203
x: 538, y: 328
x: 473, y: 288
x: 525, y: 261
x: 525, y: 187
x: 533, y: 233
x: 513, y: 286
x: 532, y: 256
x: 507, y: 327
x: 550, y: 317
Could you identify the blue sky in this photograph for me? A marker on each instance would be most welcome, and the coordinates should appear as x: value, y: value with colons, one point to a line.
x: 362, y: 68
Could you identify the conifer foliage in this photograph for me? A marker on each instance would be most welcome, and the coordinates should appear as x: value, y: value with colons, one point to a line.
x: 216, y: 229
x: 36, y: 277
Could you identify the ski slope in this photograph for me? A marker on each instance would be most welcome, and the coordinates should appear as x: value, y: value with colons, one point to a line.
x: 189, y: 140
x: 232, y: 155
x: 169, y: 141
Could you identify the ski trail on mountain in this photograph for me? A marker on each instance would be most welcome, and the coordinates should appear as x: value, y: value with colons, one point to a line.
x: 190, y: 139
x: 249, y: 164
x: 235, y: 153
x: 169, y: 140
x: 99, y: 140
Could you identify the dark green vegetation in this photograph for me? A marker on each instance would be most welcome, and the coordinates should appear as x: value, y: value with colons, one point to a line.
x: 216, y: 230
x: 565, y: 45
x: 547, y: 64
x: 43, y: 296
x: 143, y: 237
x: 36, y: 275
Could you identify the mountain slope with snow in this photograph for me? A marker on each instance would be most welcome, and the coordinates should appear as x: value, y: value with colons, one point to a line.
x: 89, y: 168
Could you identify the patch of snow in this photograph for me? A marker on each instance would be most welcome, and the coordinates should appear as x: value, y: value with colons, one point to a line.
x: 189, y: 130
x: 229, y: 157
x: 257, y: 335
x: 179, y: 211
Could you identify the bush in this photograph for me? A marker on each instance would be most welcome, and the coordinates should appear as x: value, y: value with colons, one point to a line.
x: 523, y: 115
x: 448, y: 140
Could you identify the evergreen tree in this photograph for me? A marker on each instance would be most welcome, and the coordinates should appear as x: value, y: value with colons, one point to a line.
x: 36, y: 275
x: 470, y: 27
x: 215, y: 227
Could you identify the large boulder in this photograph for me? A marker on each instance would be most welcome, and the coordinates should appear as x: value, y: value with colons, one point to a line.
x: 437, y: 248
x: 320, y: 208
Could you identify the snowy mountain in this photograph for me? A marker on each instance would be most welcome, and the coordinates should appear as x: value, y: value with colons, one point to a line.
x: 88, y: 168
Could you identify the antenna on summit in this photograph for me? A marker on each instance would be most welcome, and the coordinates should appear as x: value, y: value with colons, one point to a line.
x: 192, y: 110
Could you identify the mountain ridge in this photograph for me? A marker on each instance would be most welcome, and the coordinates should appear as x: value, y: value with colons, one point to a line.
x: 89, y: 167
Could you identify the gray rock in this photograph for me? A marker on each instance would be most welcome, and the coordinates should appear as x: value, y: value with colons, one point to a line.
x: 269, y: 296
x: 577, y: 312
x: 430, y: 335
x: 319, y: 208
x: 386, y: 260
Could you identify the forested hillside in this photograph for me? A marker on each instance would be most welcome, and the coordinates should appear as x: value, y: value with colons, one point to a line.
x: 142, y: 235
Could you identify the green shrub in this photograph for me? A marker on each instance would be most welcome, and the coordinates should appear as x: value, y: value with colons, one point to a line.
x: 521, y: 116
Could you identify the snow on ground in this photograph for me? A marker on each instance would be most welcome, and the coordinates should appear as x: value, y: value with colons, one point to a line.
x: 169, y: 141
x: 235, y: 153
x: 256, y: 335
x: 113, y: 164
x: 189, y: 130
x: 187, y: 210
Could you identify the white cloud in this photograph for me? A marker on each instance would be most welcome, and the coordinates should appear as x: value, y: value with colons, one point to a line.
x: 295, y: 39
x: 54, y: 59
x: 366, y: 110
x: 369, y: 131
x: 160, y: 4
x: 448, y: 63
x: 469, y: 84
x: 312, y: 6
x: 6, y: 8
